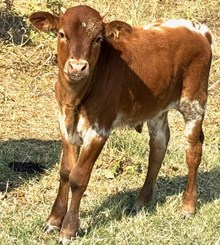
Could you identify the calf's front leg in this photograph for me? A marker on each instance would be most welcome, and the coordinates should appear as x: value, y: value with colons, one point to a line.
x: 69, y: 158
x: 78, y: 179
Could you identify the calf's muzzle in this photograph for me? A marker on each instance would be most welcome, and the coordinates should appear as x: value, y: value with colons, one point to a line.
x: 76, y: 69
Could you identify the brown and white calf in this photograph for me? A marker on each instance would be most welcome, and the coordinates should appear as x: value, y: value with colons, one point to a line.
x: 112, y: 74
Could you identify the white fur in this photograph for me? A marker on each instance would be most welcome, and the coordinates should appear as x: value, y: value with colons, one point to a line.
x: 195, y: 108
x: 81, y: 126
x: 190, y: 127
x: 72, y: 138
x: 84, y: 24
x: 174, y: 23
x: 198, y: 108
x: 197, y: 27
x: 90, y: 135
x: 62, y: 123
x: 197, y: 111
x: 148, y: 26
x: 82, y: 135
x: 94, y: 133
x: 63, y: 10
x: 158, y: 131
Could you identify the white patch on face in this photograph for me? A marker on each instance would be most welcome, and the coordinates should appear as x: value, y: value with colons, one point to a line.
x: 83, y: 24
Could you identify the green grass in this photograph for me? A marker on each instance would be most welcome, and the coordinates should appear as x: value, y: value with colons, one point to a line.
x: 29, y: 134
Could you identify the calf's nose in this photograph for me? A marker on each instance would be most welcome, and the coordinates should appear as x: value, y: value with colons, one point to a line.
x: 77, y: 67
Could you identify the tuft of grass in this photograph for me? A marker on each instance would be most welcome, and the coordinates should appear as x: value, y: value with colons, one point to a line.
x: 29, y: 134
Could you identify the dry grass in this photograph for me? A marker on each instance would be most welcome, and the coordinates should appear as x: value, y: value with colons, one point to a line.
x: 29, y: 134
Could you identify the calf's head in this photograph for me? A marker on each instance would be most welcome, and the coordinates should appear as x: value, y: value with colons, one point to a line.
x: 80, y: 31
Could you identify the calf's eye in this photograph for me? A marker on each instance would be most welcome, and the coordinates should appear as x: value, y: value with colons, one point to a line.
x: 61, y: 34
x: 98, y: 39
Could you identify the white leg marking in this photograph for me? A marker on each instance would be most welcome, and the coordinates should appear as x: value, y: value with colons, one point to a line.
x: 62, y: 123
x: 94, y: 133
x: 189, y: 127
x: 158, y: 131
x: 72, y: 137
x: 193, y: 114
x: 191, y: 110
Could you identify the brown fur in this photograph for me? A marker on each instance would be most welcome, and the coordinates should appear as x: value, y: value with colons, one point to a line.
x: 132, y: 76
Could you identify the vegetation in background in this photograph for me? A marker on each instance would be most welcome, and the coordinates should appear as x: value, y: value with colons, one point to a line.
x: 30, y: 147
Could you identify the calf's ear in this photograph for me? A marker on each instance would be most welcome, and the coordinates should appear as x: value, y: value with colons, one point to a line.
x: 117, y: 29
x: 44, y: 21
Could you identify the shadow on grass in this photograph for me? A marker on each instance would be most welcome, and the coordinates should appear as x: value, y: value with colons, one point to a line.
x: 24, y: 159
x: 121, y: 203
x: 13, y: 28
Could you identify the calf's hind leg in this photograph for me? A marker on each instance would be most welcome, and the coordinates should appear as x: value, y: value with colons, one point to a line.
x: 159, y: 137
x: 193, y: 113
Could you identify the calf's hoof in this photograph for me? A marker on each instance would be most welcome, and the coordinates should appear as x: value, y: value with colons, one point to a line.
x: 48, y: 228
x: 188, y: 211
x: 187, y: 214
x: 189, y: 204
x: 66, y: 240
